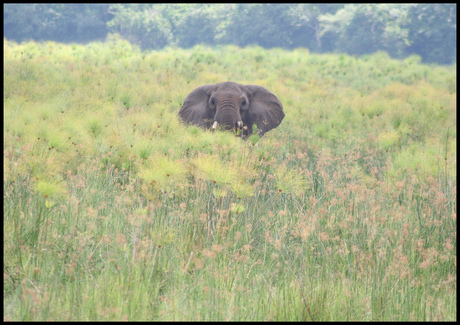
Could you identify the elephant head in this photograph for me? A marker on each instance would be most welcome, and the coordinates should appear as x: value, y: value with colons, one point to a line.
x: 230, y: 105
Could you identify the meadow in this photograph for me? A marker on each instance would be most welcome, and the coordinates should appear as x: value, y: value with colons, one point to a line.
x: 115, y: 210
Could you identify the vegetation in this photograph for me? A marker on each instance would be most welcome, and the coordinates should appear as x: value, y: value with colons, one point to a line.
x: 114, y: 210
x: 427, y: 30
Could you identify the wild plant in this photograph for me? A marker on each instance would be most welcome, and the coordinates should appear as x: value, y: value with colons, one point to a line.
x: 115, y: 210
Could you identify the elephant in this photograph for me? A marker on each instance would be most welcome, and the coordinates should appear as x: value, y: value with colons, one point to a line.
x: 231, y: 106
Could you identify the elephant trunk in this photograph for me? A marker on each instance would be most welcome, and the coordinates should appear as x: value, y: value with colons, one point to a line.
x: 228, y: 118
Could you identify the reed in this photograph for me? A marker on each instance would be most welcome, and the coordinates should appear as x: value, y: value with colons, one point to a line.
x: 114, y: 210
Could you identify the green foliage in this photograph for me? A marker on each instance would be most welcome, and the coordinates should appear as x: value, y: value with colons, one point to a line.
x: 428, y: 30
x: 367, y: 28
x: 428, y: 42
x: 115, y: 210
x: 141, y: 24
x: 267, y: 25
x: 58, y: 22
x: 197, y: 23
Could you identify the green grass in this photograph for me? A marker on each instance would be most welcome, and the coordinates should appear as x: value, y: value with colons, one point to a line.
x: 114, y: 210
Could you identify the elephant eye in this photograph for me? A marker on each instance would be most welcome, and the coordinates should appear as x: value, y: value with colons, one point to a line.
x: 213, y: 102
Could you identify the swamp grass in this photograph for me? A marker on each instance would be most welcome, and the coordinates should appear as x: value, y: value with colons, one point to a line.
x: 114, y: 210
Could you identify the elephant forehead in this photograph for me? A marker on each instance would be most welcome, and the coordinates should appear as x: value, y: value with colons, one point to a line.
x: 230, y: 88
x: 230, y: 84
x: 228, y: 94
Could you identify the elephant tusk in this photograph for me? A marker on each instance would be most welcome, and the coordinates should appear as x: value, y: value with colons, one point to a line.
x: 240, y: 124
x: 214, y: 126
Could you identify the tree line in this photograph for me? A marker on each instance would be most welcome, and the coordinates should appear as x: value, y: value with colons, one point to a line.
x: 428, y: 30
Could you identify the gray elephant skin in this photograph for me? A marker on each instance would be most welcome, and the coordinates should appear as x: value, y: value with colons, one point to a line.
x: 230, y: 105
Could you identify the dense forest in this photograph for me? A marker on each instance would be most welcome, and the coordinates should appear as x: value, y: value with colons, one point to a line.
x: 427, y: 30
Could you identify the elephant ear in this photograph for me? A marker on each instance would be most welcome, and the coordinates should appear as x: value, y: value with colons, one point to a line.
x: 265, y: 109
x: 195, y: 108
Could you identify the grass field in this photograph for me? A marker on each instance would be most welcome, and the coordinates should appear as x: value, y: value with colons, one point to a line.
x: 115, y: 210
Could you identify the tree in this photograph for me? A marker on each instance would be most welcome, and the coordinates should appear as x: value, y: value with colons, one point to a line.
x: 57, y: 22
x: 267, y: 25
x: 367, y: 28
x: 21, y: 21
x: 197, y: 23
x: 307, y: 26
x: 143, y: 25
x: 433, y: 32
x: 429, y: 30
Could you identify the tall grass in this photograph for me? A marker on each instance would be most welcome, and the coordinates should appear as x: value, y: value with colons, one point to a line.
x: 114, y: 210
